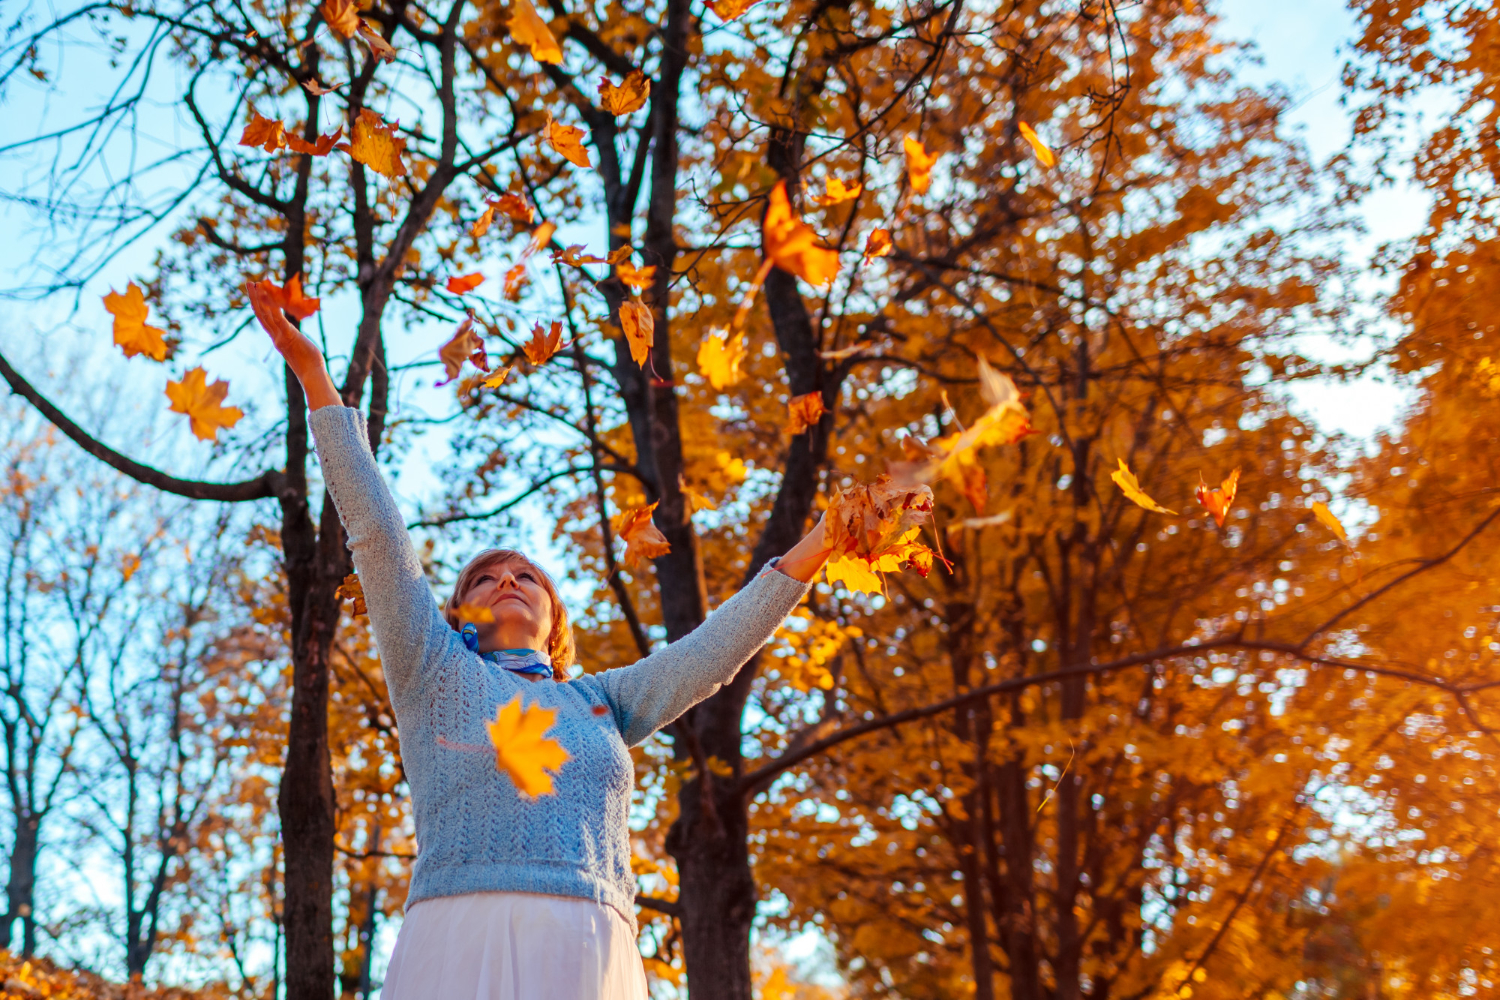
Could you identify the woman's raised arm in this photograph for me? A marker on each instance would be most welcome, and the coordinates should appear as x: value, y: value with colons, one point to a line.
x: 402, y: 608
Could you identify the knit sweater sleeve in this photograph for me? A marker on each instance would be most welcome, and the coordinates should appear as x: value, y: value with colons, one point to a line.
x: 403, y: 611
x: 654, y: 691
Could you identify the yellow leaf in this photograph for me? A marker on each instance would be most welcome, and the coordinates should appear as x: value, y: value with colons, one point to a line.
x: 1326, y: 518
x: 696, y: 501
x: 728, y: 10
x: 919, y: 165
x: 792, y: 245
x: 636, y: 277
x: 643, y: 540
x: 375, y: 144
x: 474, y: 614
x: 639, y: 327
x: 132, y: 334
x: 201, y: 403
x: 628, y: 97
x: 342, y: 16
x: 566, y: 141
x: 720, y: 356
x: 835, y: 191
x: 379, y: 47
x: 521, y: 749
x: 528, y: 28
x: 1131, y: 487
x: 496, y: 380
x: 1043, y: 153
x: 855, y: 574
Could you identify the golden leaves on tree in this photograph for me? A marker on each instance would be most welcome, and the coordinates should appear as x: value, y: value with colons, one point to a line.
x: 643, y: 540
x: 566, y: 141
x: 522, y: 750
x: 630, y: 96
x: 528, y: 29
x: 203, y: 404
x: 132, y: 334
x: 792, y: 245
x: 375, y: 144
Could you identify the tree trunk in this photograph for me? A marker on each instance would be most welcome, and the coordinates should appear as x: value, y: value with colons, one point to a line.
x: 20, y: 890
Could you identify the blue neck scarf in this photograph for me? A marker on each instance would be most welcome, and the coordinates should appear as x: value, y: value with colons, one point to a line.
x: 517, y: 661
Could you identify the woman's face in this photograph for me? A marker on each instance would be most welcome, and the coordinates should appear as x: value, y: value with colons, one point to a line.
x: 514, y: 594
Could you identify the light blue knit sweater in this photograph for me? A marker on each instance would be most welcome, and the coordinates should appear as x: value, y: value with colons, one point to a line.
x: 475, y: 832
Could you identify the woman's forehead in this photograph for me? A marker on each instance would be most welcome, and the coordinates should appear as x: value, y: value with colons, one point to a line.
x: 510, y: 560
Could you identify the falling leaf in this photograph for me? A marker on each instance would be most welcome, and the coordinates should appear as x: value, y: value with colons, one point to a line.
x: 871, y: 528
x: 636, y: 277
x: 132, y: 334
x: 1040, y: 148
x: 720, y: 356
x: 342, y: 16
x: 528, y: 28
x: 639, y: 327
x: 919, y: 165
x: 836, y: 191
x: 728, y: 10
x: 565, y: 140
x: 202, y: 404
x: 643, y: 540
x: 982, y: 522
x: 129, y: 565
x: 844, y: 352
x: 465, y: 283
x: 379, y: 47
x: 696, y: 501
x: 878, y: 245
x: 965, y: 473
x: 474, y: 614
x: 1131, y: 487
x: 496, y: 380
x: 521, y: 749
x: 290, y: 299
x: 543, y: 343
x: 321, y: 147
x: 1326, y: 518
x: 375, y: 144
x: 1218, y: 499
x: 1005, y: 422
x: 315, y: 87
x: 352, y: 590
x: 791, y: 244
x: 515, y: 280
x: 630, y: 96
x: 482, y: 226
x: 574, y: 256
x: 266, y: 133
x: 515, y: 207
x: 464, y: 345
x: 803, y: 412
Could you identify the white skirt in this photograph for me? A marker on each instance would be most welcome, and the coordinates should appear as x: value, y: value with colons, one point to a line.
x: 514, y: 946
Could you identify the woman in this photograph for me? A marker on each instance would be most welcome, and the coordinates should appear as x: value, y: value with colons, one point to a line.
x: 514, y: 898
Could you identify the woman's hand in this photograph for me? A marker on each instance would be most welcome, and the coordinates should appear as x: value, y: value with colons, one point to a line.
x: 804, y: 560
x: 301, y: 354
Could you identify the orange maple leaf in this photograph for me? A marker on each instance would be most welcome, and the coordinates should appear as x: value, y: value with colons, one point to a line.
x: 528, y: 28
x: 878, y: 245
x: 322, y: 146
x: 966, y: 477
x: 720, y: 356
x: 643, y: 540
x: 375, y: 144
x: 1218, y: 499
x: 379, y: 47
x: 835, y: 191
x: 464, y: 345
x: 566, y: 141
x: 267, y: 133
x: 804, y: 411
x: 521, y: 748
x: 202, y: 404
x: 871, y: 528
x: 792, y: 245
x: 1325, y: 517
x: 290, y: 299
x: 342, y: 16
x: 639, y: 327
x: 515, y: 207
x: 132, y: 334
x: 630, y: 96
x: 352, y: 590
x: 464, y: 283
x: 1040, y: 148
x: 543, y: 343
x: 919, y: 165
x: 636, y: 277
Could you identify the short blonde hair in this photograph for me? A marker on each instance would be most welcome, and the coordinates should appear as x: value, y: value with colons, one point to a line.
x: 559, y: 642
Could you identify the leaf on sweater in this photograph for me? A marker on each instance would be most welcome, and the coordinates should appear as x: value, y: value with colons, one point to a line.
x: 203, y: 404
x: 643, y: 540
x: 1218, y: 499
x: 132, y: 333
x: 351, y: 590
x: 522, y: 749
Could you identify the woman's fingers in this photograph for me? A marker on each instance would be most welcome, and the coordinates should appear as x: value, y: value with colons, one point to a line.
x: 275, y: 323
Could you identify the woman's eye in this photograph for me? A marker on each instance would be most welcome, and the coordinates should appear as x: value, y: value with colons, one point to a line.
x: 483, y: 578
x: 527, y: 576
